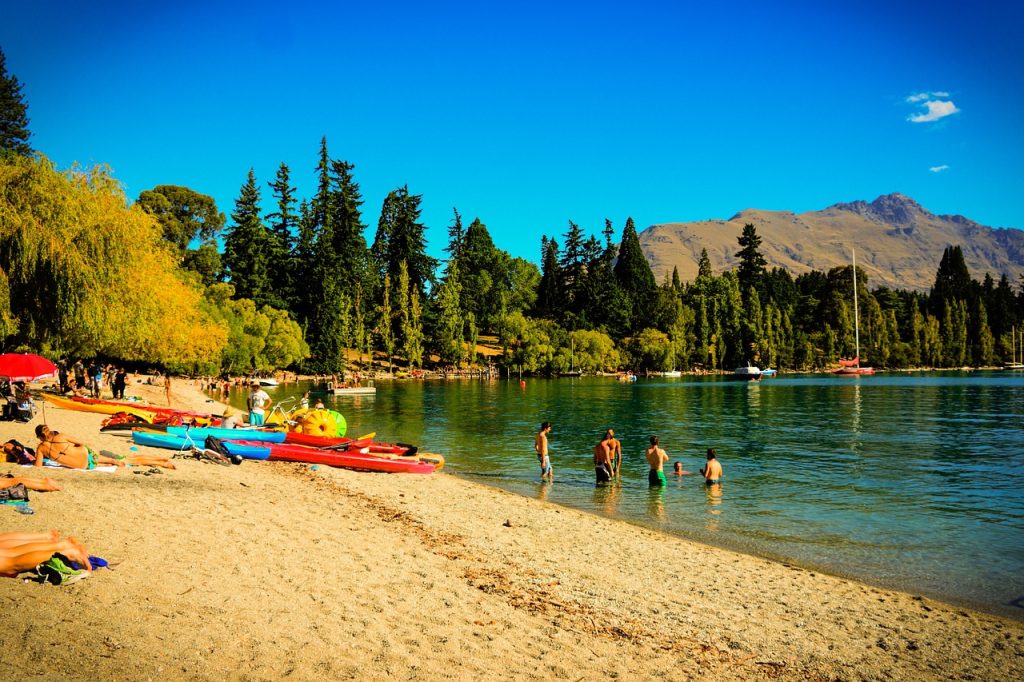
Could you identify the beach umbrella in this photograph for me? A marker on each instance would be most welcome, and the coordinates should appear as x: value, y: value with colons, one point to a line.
x: 26, y: 366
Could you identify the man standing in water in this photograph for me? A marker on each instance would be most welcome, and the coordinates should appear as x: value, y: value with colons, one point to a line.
x: 615, y: 452
x: 656, y: 458
x: 603, y: 459
x: 713, y: 469
x: 540, y: 444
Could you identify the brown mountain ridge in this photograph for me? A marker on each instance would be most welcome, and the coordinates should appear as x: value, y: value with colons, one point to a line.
x: 899, y: 243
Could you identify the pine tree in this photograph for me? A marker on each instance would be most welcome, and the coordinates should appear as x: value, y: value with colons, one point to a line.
x: 283, y: 226
x: 346, y: 221
x: 549, y: 291
x: 384, y: 326
x: 635, y: 278
x: 247, y: 247
x: 401, y: 236
x: 414, y: 335
x: 952, y: 280
x: 752, y: 263
x: 456, y: 235
x: 572, y: 268
x: 449, y: 325
x: 14, y: 132
x: 302, y: 257
x: 404, y: 309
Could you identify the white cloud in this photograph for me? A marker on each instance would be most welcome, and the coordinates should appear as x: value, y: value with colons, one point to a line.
x: 935, y: 109
x: 940, y: 94
x: 939, y: 169
x: 919, y: 97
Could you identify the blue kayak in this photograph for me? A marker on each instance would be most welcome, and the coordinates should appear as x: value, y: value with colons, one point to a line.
x: 200, y: 433
x: 170, y: 441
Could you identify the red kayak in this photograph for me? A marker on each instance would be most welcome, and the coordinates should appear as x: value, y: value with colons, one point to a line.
x: 344, y: 444
x: 353, y: 459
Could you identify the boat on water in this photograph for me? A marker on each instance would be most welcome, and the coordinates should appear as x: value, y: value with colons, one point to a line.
x: 748, y: 372
x: 769, y: 372
x: 852, y: 367
x: 1013, y: 364
x: 269, y: 382
x: 330, y: 388
x: 674, y: 373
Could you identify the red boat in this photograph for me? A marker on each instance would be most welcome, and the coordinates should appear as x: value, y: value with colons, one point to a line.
x: 353, y: 459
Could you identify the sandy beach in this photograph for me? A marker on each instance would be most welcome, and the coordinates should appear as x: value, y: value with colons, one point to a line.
x: 274, y: 570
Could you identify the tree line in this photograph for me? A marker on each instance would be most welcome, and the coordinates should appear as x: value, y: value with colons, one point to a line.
x: 168, y: 279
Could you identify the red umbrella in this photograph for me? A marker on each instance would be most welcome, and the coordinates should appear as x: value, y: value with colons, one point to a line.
x: 25, y: 366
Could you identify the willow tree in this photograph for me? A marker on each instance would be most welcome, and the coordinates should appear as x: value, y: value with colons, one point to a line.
x: 87, y: 275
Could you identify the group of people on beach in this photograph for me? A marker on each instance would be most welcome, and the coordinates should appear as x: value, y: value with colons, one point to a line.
x: 608, y: 460
x: 90, y: 380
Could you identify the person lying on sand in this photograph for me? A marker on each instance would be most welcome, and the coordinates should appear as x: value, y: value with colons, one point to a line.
x: 46, y: 485
x: 23, y: 551
x: 74, y: 454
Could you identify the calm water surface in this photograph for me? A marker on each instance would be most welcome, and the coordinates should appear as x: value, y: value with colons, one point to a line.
x: 909, y: 481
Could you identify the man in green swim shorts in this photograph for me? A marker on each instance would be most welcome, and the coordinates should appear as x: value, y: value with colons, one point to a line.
x: 656, y: 458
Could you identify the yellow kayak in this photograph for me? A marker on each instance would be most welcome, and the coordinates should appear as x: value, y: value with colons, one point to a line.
x: 101, y: 408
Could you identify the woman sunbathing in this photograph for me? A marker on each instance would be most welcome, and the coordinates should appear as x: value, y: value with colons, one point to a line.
x: 22, y: 551
x: 74, y: 454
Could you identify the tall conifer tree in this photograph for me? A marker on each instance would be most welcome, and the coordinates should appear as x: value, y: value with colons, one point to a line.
x: 247, y: 246
x: 634, y: 275
x: 14, y: 132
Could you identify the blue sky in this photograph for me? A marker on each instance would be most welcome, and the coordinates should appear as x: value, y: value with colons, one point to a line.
x: 531, y: 114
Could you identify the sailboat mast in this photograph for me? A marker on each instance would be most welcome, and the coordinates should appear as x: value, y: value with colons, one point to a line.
x: 856, y: 313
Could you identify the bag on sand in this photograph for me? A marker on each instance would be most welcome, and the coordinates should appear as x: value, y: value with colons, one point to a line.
x: 16, y: 492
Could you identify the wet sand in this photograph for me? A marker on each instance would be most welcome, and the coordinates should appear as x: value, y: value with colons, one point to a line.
x: 272, y: 570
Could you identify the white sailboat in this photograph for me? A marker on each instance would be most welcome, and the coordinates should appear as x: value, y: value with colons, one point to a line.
x: 852, y: 367
x: 1013, y: 364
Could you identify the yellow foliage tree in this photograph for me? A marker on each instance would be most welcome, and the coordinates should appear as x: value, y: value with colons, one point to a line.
x: 88, y: 275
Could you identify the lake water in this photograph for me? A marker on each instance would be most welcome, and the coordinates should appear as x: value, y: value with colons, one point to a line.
x: 912, y: 481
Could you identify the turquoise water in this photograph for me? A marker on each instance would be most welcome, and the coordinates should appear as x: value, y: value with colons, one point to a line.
x: 909, y: 481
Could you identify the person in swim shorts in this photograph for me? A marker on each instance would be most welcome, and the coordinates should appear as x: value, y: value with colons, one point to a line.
x: 712, y: 471
x: 540, y: 444
x: 603, y: 459
x: 615, y: 448
x: 656, y: 458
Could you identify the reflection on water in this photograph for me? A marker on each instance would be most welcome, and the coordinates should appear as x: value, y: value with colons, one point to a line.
x: 713, y: 494
x: 899, y: 479
x: 656, y: 504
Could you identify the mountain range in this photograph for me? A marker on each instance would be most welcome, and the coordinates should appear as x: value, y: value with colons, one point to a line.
x: 898, y: 242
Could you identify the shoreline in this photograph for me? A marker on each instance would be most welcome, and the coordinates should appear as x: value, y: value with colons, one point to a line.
x: 993, y: 609
x: 271, y: 569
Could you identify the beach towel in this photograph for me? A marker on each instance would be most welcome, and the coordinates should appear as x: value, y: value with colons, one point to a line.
x: 50, y: 464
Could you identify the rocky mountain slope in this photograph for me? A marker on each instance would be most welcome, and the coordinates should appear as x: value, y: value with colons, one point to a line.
x: 899, y: 243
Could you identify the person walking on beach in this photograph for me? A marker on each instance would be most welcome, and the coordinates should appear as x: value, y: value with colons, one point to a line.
x: 540, y: 444
x: 258, y: 402
x: 712, y: 471
x: 656, y: 458
x: 615, y: 448
x: 79, y: 372
x: 167, y: 388
x: 603, y: 459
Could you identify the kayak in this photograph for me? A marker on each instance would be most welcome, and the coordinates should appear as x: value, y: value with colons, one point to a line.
x: 201, y: 432
x: 142, y: 406
x: 169, y: 441
x: 345, y: 459
x: 100, y: 408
